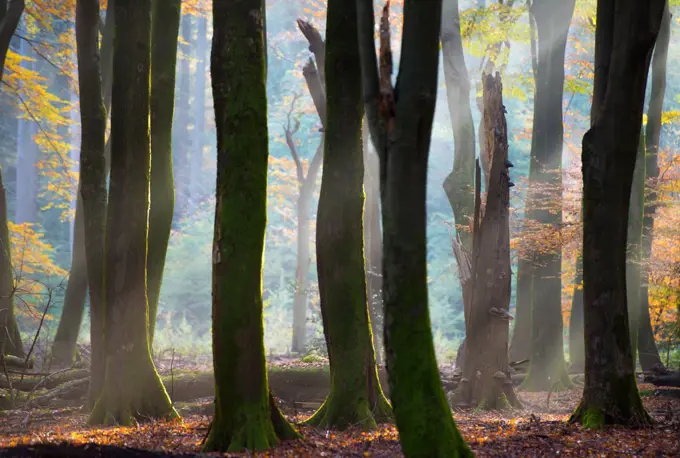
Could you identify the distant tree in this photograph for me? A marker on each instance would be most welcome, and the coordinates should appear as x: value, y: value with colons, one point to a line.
x: 10, y: 339
x: 400, y: 130
x: 625, y: 37
x: 307, y: 182
x: 355, y: 396
x: 647, y: 348
x: 132, y: 388
x: 164, y: 38
x: 547, y: 366
x: 246, y: 415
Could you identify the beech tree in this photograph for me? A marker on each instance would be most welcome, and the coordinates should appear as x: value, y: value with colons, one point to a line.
x: 624, y: 40
x: 92, y: 195
x: 64, y: 346
x: 246, y: 415
x: 400, y: 129
x: 547, y: 366
x: 10, y: 339
x: 355, y: 394
x: 164, y: 37
x: 132, y: 388
x: 647, y: 348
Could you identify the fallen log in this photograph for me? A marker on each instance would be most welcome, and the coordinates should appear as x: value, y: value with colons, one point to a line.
x: 665, y: 379
x: 74, y: 389
x: 29, y: 382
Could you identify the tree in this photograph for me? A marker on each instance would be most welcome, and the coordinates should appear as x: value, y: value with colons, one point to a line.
x: 307, y: 183
x: 132, y: 388
x: 64, y: 346
x: 547, y: 365
x: 355, y: 395
x: 93, y: 192
x: 164, y: 37
x: 10, y: 339
x: 459, y: 184
x: 647, y: 349
x: 625, y: 36
x: 485, y: 379
x: 400, y: 130
x: 246, y: 416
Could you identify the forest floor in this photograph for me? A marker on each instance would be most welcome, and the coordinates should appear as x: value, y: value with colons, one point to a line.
x: 538, y: 430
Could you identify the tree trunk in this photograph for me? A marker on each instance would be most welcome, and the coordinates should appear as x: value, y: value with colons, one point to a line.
x: 339, y: 237
x: 10, y: 339
x: 64, y: 346
x: 633, y: 255
x: 486, y: 380
x: 93, y: 192
x: 165, y: 33
x: 373, y: 244
x: 246, y: 417
x: 547, y: 367
x: 459, y: 184
x: 625, y: 36
x: 180, y: 133
x: 132, y: 389
x: 577, y: 350
x: 647, y: 349
x: 198, y: 108
x: 401, y: 130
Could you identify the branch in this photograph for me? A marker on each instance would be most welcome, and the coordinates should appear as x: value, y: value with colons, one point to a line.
x: 316, y: 90
x: 7, y: 28
x: 289, y: 132
x: 316, y: 45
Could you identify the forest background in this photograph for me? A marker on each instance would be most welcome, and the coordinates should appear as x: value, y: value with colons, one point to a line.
x: 39, y: 152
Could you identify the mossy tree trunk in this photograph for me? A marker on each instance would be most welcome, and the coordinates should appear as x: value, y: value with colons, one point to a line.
x: 132, y: 389
x: 401, y: 130
x: 647, y: 349
x: 624, y: 39
x: 10, y: 339
x: 547, y: 367
x: 339, y: 237
x: 486, y: 382
x: 64, y: 346
x: 246, y: 417
x: 164, y: 37
x: 577, y: 350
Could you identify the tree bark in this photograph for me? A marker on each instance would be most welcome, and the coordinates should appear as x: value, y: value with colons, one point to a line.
x: 547, y: 367
x: 246, y: 417
x: 486, y: 380
x: 339, y: 237
x: 10, y: 339
x: 647, y: 349
x: 625, y: 36
x: 132, y: 389
x: 401, y: 130
x: 164, y: 37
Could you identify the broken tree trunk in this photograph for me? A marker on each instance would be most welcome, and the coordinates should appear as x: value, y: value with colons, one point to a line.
x: 487, y: 325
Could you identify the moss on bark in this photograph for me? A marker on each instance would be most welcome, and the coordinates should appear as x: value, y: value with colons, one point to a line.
x: 245, y: 415
x: 132, y: 388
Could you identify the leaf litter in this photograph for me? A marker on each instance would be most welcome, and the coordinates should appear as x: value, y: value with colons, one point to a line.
x: 538, y: 430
